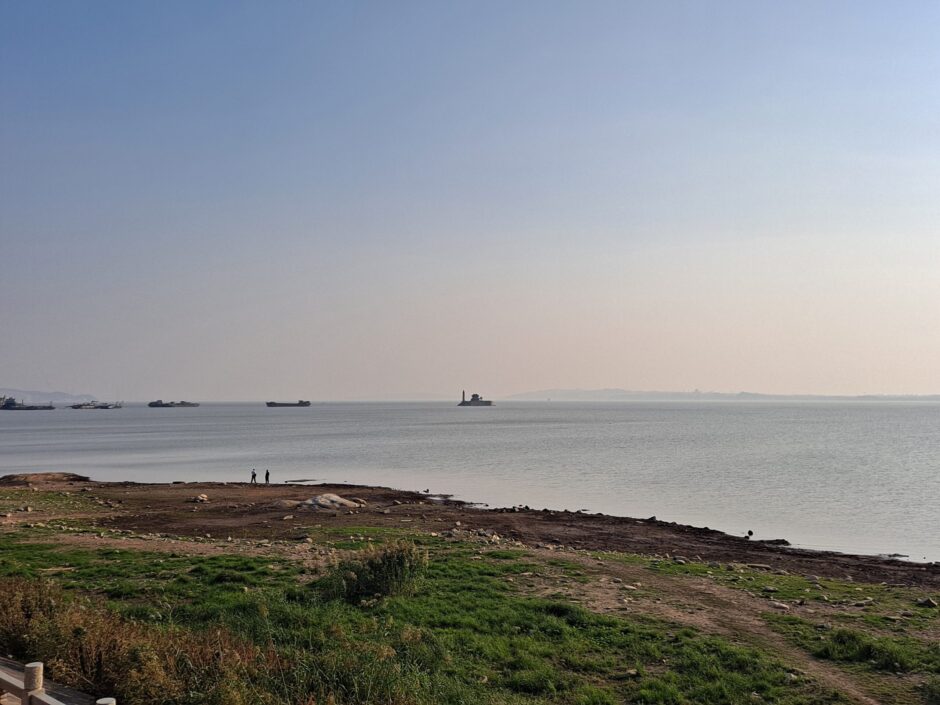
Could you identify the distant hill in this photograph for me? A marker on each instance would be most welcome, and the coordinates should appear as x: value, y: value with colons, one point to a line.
x: 630, y: 395
x: 31, y: 396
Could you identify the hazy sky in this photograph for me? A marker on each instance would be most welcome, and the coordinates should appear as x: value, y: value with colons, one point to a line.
x: 224, y: 200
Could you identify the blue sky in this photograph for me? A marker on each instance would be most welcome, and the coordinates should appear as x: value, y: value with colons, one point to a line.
x: 356, y: 200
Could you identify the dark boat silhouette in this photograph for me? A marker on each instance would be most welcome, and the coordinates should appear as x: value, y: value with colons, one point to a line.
x: 98, y: 405
x: 299, y: 402
x: 160, y: 404
x: 10, y: 404
x: 474, y: 400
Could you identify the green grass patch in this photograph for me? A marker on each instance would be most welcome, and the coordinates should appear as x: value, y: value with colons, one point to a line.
x: 126, y: 575
x: 879, y: 653
x: 463, y: 636
x: 507, y: 554
x: 557, y: 651
x: 883, y: 612
x: 15, y: 499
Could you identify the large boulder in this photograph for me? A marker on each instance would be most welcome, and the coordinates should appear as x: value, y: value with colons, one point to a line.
x: 330, y: 501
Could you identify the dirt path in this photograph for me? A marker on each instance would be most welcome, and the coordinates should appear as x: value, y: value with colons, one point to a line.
x: 696, y: 602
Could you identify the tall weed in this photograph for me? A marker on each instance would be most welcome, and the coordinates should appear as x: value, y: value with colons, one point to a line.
x: 392, y: 570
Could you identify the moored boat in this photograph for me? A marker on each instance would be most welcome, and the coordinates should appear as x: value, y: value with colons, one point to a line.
x: 160, y: 404
x: 299, y: 402
x: 98, y: 405
x: 10, y: 404
x: 474, y: 400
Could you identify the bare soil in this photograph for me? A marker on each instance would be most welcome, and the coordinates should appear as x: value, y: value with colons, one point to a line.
x: 243, y: 511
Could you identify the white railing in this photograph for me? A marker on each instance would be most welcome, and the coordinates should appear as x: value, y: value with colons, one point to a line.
x: 28, y: 687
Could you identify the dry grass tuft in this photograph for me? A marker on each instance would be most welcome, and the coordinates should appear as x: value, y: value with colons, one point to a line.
x: 90, y: 648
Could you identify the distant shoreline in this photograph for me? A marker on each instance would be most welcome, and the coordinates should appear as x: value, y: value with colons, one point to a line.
x: 629, y: 395
x: 541, y: 395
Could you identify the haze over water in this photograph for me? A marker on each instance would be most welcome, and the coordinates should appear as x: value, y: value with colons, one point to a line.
x: 855, y: 477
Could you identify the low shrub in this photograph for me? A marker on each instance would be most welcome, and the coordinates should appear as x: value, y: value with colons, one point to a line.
x: 851, y: 646
x: 383, y: 572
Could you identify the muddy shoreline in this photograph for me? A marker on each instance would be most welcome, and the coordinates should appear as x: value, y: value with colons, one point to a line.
x: 241, y: 510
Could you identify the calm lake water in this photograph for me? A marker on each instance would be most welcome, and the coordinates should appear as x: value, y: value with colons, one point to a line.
x: 856, y: 477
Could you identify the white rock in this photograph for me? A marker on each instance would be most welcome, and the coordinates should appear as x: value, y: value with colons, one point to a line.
x: 329, y: 501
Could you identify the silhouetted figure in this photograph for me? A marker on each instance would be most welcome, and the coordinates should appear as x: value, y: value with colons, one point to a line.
x: 267, y: 477
x: 254, y: 477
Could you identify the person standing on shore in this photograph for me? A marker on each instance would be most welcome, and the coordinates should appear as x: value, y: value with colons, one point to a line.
x: 254, y: 477
x: 267, y: 477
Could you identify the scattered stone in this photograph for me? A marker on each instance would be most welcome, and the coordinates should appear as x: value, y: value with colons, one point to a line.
x: 287, y: 517
x: 769, y: 588
x: 779, y: 605
x: 927, y: 602
x: 200, y: 499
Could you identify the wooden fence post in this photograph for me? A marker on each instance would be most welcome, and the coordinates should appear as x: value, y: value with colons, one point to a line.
x: 32, y: 676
